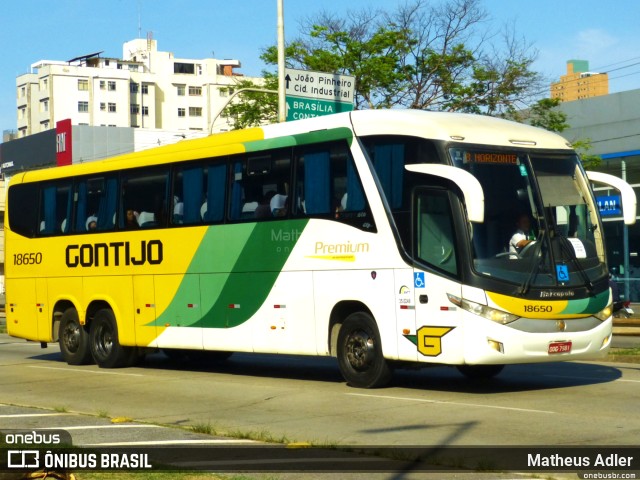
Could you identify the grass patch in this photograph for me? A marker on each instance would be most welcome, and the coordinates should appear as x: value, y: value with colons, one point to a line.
x: 61, y: 409
x: 258, y: 436
x: 103, y: 414
x: 625, y: 351
x: 205, y: 428
x: 3, y: 329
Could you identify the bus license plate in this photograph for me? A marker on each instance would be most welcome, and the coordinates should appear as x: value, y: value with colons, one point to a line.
x: 559, y: 347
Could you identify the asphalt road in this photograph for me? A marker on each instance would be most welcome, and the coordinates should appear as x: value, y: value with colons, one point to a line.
x: 305, y: 399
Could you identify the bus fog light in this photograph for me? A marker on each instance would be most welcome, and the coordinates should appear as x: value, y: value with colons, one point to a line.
x: 605, y: 341
x: 495, y: 345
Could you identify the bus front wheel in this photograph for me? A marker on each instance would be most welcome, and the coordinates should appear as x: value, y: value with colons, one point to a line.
x: 480, y: 372
x: 360, y: 353
x: 73, y: 339
x: 105, y: 347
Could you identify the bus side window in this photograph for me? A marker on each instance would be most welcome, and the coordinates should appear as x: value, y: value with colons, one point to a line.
x: 198, y: 194
x: 23, y: 210
x: 55, y: 209
x: 96, y: 203
x: 328, y: 186
x: 259, y: 187
x: 212, y: 210
x: 145, y: 192
x: 433, y: 229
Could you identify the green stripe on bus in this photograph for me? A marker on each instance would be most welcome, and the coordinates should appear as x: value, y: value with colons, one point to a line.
x: 589, y: 305
x: 249, y: 257
x: 301, y: 139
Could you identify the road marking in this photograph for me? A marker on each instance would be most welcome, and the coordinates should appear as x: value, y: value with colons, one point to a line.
x: 442, y: 402
x: 97, y: 427
x: 168, y: 442
x: 24, y: 415
x: 99, y: 372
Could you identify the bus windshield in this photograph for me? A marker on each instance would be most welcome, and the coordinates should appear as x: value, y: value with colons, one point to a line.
x: 541, y: 226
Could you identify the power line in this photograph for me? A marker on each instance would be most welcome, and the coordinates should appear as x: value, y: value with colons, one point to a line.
x: 616, y: 63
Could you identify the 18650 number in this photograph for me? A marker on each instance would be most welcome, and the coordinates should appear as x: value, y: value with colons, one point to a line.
x: 27, y: 258
x: 538, y: 308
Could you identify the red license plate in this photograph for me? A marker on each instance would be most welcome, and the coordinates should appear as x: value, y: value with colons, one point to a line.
x: 559, y: 347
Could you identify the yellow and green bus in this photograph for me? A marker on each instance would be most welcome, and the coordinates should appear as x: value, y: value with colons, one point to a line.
x: 383, y: 238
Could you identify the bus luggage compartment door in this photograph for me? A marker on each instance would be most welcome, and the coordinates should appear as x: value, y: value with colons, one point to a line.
x: 145, y: 311
x: 21, y: 309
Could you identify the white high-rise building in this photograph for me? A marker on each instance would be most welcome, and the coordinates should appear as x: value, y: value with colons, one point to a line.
x: 145, y: 89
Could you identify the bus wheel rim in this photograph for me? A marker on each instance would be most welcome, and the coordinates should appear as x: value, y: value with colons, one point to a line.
x: 360, y: 350
x: 104, y: 341
x: 71, y: 337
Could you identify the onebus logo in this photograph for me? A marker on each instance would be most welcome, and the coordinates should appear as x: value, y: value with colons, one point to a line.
x: 114, y: 254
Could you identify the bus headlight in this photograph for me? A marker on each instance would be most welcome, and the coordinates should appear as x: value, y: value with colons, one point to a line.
x: 493, y: 314
x: 605, y: 313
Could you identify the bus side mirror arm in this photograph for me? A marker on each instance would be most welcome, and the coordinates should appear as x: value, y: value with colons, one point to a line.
x: 467, y: 183
x: 627, y: 194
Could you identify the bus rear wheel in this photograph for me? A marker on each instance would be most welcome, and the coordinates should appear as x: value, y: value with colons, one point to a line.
x: 105, y: 347
x: 73, y: 339
x: 480, y: 372
x: 360, y: 353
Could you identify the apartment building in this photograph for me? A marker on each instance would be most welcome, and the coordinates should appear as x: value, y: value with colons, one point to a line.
x: 146, y: 88
x: 580, y: 83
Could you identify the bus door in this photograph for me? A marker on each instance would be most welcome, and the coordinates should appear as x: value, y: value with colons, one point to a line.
x: 144, y: 306
x: 434, y: 245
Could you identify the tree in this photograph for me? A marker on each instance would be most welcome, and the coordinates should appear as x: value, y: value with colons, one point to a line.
x: 253, y: 108
x: 544, y: 114
x: 421, y: 55
x: 583, y: 147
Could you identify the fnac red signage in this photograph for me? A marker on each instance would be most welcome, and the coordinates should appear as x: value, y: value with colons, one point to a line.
x: 64, y: 154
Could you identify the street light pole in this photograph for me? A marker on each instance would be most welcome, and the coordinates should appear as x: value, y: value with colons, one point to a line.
x: 282, y: 106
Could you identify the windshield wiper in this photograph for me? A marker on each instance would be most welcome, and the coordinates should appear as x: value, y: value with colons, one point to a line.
x: 536, y: 263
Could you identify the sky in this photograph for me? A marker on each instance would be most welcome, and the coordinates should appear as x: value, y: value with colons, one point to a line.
x: 603, y: 32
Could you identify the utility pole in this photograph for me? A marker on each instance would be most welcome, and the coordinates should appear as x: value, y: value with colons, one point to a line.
x: 282, y: 102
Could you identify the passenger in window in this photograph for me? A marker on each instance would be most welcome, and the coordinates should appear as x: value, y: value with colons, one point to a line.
x: 203, y: 209
x: 178, y: 210
x: 340, y: 206
x: 131, y: 219
x: 263, y: 210
x: 278, y: 204
x: 147, y: 219
x: 92, y: 223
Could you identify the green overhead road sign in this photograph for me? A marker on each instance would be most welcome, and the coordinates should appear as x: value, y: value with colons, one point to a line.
x: 313, y: 94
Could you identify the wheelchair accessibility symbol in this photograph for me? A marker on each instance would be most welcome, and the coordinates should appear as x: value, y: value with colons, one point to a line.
x: 418, y: 279
x: 562, y: 273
